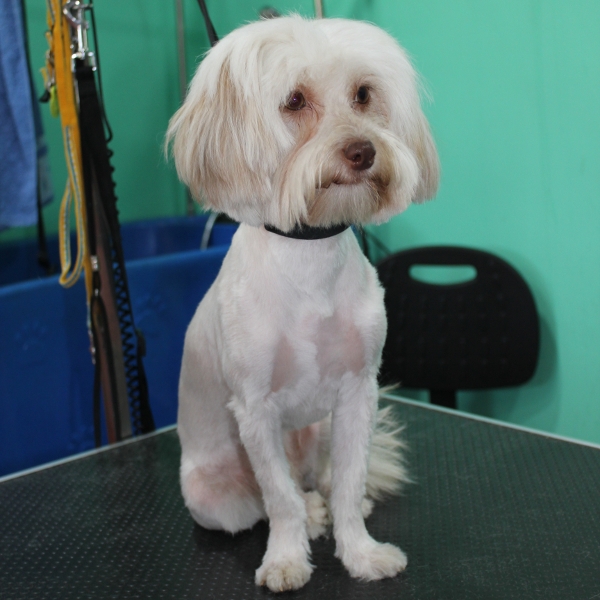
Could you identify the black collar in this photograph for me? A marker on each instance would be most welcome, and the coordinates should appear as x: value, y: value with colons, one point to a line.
x: 305, y: 232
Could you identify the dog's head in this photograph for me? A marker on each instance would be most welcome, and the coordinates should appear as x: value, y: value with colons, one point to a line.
x: 293, y: 121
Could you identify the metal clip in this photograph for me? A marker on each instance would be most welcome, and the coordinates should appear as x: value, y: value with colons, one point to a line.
x: 74, y: 10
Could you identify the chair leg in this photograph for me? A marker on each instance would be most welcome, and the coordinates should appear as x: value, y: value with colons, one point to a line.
x: 445, y: 398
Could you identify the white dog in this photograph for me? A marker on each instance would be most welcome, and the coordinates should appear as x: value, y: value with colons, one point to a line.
x: 303, y: 127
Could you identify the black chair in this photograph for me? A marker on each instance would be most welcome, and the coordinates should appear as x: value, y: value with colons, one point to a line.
x: 477, y: 334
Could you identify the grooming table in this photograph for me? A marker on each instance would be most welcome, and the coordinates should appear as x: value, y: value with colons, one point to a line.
x: 494, y: 513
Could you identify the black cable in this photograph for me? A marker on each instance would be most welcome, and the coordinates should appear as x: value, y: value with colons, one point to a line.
x: 42, y: 256
x: 377, y: 242
x: 96, y: 405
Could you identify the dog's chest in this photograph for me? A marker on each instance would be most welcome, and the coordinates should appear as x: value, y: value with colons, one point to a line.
x: 315, y: 356
x: 310, y: 364
x: 318, y: 348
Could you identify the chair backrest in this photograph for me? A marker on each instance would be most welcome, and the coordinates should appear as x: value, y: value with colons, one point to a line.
x: 478, y: 334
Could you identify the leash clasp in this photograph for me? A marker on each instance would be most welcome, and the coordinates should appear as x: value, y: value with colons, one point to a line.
x: 74, y: 12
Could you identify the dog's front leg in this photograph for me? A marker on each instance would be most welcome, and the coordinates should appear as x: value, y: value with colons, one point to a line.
x: 352, y: 424
x: 285, y: 565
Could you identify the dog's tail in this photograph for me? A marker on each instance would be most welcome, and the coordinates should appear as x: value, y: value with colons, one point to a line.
x: 387, y: 471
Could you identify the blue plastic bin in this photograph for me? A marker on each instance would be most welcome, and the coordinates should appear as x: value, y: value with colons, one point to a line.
x: 46, y: 375
x: 141, y: 239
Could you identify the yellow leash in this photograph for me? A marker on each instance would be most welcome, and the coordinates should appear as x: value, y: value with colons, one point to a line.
x: 58, y: 76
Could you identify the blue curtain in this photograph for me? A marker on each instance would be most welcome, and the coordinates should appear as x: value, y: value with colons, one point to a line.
x: 24, y: 168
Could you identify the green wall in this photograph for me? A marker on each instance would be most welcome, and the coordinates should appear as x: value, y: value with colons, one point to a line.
x: 515, y: 112
x: 516, y: 88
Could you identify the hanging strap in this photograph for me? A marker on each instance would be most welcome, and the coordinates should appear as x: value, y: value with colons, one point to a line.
x: 61, y: 92
x: 112, y: 314
x: 213, y: 38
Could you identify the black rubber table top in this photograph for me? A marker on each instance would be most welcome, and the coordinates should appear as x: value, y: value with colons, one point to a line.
x: 495, y: 513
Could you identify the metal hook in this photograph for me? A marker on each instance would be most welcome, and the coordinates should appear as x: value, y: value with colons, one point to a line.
x: 73, y: 10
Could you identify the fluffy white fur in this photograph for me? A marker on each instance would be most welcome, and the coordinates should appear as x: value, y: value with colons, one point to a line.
x: 278, y: 390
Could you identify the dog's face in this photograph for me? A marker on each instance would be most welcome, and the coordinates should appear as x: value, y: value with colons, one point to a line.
x: 293, y: 121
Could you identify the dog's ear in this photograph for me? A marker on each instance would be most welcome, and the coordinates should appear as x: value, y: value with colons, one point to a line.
x: 404, y: 90
x: 415, y: 160
x: 420, y: 141
x: 218, y: 138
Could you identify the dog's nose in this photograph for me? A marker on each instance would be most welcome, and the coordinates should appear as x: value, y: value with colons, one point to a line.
x: 360, y: 155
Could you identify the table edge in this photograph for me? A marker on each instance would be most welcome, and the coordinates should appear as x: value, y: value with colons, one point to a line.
x: 385, y: 396
x: 85, y: 454
x: 490, y: 421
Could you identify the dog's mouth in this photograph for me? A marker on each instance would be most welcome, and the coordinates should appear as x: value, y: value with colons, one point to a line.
x: 375, y: 181
x: 327, y: 185
x: 339, y: 181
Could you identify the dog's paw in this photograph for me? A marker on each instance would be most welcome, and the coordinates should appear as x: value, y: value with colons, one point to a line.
x: 284, y: 574
x: 371, y: 560
x: 318, y: 518
x: 367, y: 507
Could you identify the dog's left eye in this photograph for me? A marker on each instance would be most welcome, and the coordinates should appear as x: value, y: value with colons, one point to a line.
x: 295, y: 101
x: 362, y: 95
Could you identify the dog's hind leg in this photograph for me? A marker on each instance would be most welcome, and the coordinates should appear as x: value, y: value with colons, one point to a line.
x: 303, y: 448
x: 318, y: 518
x: 223, y: 494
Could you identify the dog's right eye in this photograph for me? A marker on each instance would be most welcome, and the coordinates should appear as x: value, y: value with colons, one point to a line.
x: 295, y: 101
x: 362, y: 95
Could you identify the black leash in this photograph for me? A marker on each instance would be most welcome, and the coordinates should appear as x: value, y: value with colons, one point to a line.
x: 105, y: 244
